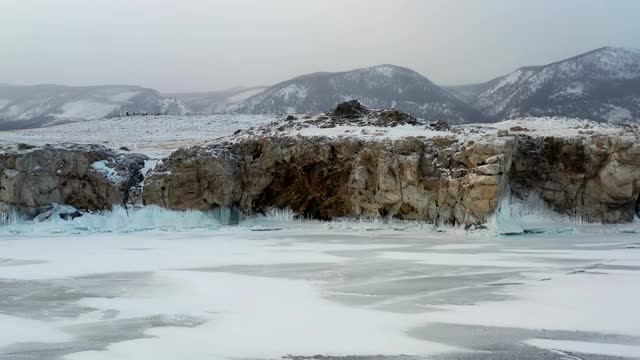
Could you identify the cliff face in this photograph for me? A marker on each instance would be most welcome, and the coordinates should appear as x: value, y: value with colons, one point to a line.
x: 438, y: 179
x: 87, y: 177
x: 448, y: 177
x: 596, y: 178
x: 441, y: 180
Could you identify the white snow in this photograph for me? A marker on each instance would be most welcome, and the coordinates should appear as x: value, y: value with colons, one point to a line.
x: 86, y: 110
x: 291, y: 92
x: 253, y: 317
x: 54, y: 104
x: 606, y: 64
x: 582, y: 347
x: 16, y: 329
x: 485, y: 259
x: 618, y: 114
x: 265, y: 295
x: 370, y: 132
x: 244, y: 95
x: 110, y: 173
x: 555, y: 126
x: 156, y: 136
x: 599, y: 301
x: 385, y: 70
x: 123, y: 97
x: 461, y: 246
x: 573, y: 90
x: 149, y: 165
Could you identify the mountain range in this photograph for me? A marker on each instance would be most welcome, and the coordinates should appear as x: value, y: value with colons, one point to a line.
x: 601, y: 85
x: 384, y: 86
x: 45, y: 105
x: 213, y: 102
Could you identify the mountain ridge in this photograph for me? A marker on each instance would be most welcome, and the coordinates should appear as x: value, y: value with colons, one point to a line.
x: 218, y: 101
x: 380, y: 86
x: 24, y: 106
x: 601, y: 84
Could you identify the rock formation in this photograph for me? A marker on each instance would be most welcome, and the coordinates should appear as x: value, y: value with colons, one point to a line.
x: 596, y: 178
x: 86, y: 177
x: 448, y: 177
x: 437, y: 180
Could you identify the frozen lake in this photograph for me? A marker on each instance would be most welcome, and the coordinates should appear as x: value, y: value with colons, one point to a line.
x: 308, y: 290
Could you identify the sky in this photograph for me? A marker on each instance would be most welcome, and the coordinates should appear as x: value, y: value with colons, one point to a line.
x: 201, y: 45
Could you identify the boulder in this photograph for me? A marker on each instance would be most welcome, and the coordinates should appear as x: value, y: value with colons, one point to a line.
x: 351, y: 108
x: 87, y: 177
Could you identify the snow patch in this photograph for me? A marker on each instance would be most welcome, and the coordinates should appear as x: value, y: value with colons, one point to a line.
x: 123, y: 97
x: 251, y: 311
x: 242, y: 96
x: 385, y: 70
x: 563, y: 302
x: 581, y: 347
x: 149, y: 166
x: 619, y: 114
x: 21, y: 330
x: 292, y: 92
x: 85, y: 110
x: 110, y: 173
x: 573, y: 90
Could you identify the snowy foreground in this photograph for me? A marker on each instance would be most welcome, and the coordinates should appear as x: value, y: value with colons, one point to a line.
x: 158, y: 285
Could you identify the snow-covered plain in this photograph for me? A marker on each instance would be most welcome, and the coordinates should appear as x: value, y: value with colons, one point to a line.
x: 152, y: 135
x: 155, y: 284
x: 158, y: 136
x: 152, y: 284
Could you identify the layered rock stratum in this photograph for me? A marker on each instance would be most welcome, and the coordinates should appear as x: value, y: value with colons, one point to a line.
x: 353, y: 162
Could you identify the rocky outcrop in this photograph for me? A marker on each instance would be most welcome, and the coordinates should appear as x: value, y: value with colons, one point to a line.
x: 87, y: 177
x: 445, y: 179
x: 438, y: 179
x: 441, y: 175
x: 595, y: 178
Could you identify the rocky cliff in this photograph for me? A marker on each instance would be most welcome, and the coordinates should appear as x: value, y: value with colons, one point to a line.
x: 437, y: 179
x: 425, y: 172
x: 595, y: 178
x: 88, y: 177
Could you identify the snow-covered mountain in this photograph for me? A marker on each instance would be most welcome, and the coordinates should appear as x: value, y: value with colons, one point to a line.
x: 43, y: 105
x: 603, y: 84
x: 216, y: 102
x: 384, y: 86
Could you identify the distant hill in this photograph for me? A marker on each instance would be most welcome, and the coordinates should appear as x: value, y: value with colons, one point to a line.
x: 384, y: 86
x: 602, y: 85
x: 214, y: 102
x: 43, y: 105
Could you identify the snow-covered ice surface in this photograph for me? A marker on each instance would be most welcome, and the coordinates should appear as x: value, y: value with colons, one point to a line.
x: 153, y: 284
x: 156, y: 136
x: 557, y: 126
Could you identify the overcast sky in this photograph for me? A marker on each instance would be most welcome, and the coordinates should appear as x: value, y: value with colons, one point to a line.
x: 196, y: 45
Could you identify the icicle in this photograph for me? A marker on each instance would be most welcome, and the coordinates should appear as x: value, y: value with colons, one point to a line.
x: 11, y: 217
